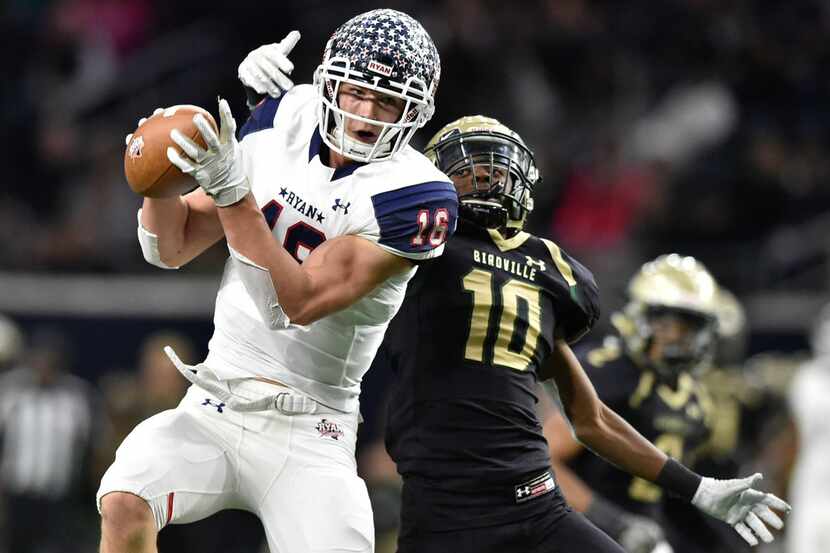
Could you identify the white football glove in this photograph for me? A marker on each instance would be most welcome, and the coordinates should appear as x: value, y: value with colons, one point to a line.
x: 739, y: 505
x: 266, y: 69
x: 218, y: 170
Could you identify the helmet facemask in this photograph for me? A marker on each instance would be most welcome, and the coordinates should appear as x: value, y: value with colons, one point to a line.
x: 392, y: 136
x: 677, y: 340
x: 494, y: 175
x: 387, y: 52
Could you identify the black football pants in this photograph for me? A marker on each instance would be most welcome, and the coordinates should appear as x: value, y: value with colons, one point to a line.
x: 559, y: 530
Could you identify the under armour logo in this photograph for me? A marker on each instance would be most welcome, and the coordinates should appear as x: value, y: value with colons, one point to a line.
x: 218, y: 406
x: 539, y: 263
x: 521, y: 492
x: 337, y: 205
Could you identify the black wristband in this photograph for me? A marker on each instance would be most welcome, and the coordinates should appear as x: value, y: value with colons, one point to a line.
x: 606, y: 516
x: 678, y: 480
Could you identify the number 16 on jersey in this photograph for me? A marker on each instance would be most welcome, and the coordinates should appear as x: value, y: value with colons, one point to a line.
x: 432, y: 228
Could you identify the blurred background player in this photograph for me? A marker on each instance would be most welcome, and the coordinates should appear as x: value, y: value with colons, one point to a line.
x: 477, y: 331
x: 325, y: 209
x: 726, y: 450
x: 49, y: 423
x: 751, y: 428
x: 810, y: 487
x: 649, y: 373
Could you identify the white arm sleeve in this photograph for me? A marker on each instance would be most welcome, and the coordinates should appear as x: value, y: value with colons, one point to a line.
x: 260, y: 287
x: 150, y: 246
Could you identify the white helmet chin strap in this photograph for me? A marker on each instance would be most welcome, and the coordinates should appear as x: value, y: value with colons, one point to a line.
x: 355, y: 149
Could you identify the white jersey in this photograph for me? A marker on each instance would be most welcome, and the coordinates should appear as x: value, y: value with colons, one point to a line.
x: 402, y: 204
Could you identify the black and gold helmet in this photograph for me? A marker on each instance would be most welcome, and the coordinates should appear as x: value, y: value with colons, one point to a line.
x: 682, y: 287
x: 492, y: 168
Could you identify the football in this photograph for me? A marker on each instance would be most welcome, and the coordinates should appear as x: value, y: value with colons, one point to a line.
x: 148, y: 171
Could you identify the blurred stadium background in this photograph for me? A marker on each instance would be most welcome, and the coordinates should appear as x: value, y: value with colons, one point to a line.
x: 696, y: 126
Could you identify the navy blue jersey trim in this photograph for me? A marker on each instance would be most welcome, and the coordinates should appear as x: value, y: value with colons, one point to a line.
x: 346, y: 170
x: 410, y: 196
x: 397, y: 213
x: 314, y: 148
x: 315, y: 144
x: 261, y: 118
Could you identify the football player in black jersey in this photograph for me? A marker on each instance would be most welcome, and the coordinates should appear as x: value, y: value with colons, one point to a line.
x: 480, y: 327
x: 650, y: 374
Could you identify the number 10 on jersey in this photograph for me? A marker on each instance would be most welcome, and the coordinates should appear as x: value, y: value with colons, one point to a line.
x: 519, y: 323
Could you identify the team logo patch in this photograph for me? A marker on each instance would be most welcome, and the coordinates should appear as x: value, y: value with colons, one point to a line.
x: 136, y: 145
x: 377, y: 67
x: 532, y: 489
x: 328, y: 429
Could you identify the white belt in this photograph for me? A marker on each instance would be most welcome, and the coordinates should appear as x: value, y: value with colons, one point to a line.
x: 287, y: 403
x: 290, y: 403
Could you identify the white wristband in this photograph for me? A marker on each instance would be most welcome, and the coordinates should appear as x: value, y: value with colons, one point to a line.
x: 149, y: 243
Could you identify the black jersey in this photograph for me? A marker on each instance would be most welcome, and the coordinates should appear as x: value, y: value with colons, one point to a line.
x: 675, y: 417
x: 465, y: 349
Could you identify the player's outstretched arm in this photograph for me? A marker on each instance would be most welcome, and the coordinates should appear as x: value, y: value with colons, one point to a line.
x: 611, y: 437
x: 595, y: 425
x: 635, y: 533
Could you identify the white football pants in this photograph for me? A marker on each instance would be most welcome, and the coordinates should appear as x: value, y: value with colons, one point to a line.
x: 296, y: 472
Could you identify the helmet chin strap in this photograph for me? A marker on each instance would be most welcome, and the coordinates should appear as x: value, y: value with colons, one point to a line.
x: 484, y: 213
x: 352, y: 146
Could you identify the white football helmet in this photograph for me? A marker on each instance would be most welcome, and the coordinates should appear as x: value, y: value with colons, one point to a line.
x: 384, y: 51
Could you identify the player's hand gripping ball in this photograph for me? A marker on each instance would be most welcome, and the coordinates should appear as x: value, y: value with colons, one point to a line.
x: 148, y: 170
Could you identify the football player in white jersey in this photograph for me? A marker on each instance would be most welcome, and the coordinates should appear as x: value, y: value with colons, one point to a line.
x: 326, y: 210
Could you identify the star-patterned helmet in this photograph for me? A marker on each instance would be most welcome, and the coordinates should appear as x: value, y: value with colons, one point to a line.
x: 388, y: 52
x: 492, y: 168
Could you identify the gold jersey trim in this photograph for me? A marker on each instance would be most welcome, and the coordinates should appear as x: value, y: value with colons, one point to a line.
x: 563, y: 266
x: 507, y: 244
